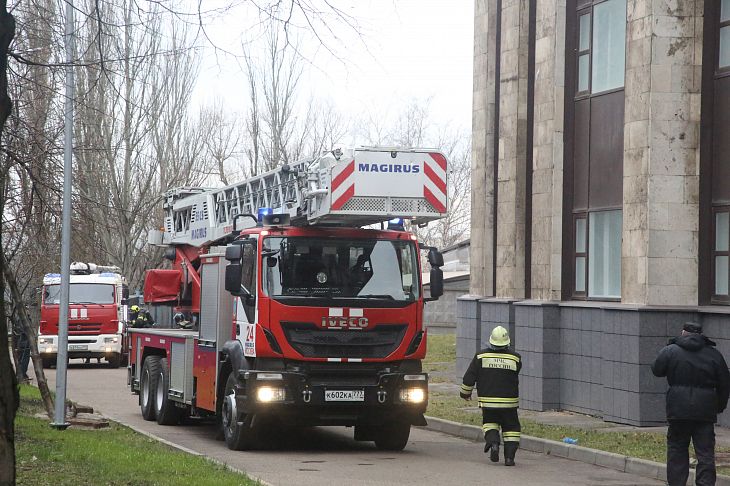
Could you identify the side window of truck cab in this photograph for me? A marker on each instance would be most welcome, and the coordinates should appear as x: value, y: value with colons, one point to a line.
x: 248, y: 279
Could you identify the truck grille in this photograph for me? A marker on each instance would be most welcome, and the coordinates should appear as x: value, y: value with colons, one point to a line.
x: 313, y: 342
x: 81, y: 328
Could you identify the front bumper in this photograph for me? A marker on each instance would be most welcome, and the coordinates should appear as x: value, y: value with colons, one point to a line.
x: 98, y: 346
x: 303, y: 399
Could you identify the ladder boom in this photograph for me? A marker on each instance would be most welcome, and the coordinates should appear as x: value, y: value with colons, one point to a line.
x: 355, y: 187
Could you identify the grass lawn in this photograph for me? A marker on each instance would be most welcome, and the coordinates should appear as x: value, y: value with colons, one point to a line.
x: 113, y: 456
x: 440, y: 357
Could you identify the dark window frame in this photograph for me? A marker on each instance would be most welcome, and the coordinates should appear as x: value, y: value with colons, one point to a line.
x: 576, y: 9
x: 580, y: 295
x: 584, y: 10
x: 721, y: 71
x: 718, y: 299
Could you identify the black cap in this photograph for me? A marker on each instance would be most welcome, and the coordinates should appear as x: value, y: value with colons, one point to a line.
x: 692, y: 327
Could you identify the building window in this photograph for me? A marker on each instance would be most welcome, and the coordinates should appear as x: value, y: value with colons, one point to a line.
x: 721, y: 254
x: 724, y: 44
x: 604, y: 254
x: 601, y: 49
x: 581, y: 255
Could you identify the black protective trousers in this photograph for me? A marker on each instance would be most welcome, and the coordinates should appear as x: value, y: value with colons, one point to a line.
x: 494, y: 419
x: 702, y: 435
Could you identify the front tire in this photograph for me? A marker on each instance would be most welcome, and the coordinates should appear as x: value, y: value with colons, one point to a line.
x: 165, y: 410
x: 48, y: 363
x: 239, y: 436
x: 148, y: 386
x: 393, y: 436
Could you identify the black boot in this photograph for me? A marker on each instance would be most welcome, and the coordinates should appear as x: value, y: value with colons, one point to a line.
x: 510, y: 450
x: 493, y: 449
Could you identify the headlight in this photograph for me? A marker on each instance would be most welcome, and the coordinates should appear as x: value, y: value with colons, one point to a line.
x: 45, y: 340
x: 412, y: 395
x: 267, y: 394
x: 108, y: 350
x: 114, y: 339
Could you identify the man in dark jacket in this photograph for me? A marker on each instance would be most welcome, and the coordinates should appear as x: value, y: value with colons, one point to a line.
x: 699, y: 385
x: 495, y: 371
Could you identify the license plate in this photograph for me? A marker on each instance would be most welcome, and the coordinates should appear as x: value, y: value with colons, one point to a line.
x: 344, y: 395
x: 78, y: 347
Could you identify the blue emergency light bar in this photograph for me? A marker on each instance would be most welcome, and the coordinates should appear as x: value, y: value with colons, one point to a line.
x: 53, y: 275
x: 263, y: 212
x: 396, y: 224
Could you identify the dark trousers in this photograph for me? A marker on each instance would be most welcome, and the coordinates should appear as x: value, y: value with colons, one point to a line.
x: 24, y: 357
x: 494, y: 419
x: 702, y: 435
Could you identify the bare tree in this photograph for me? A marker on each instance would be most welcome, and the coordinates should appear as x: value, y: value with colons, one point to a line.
x: 222, y: 141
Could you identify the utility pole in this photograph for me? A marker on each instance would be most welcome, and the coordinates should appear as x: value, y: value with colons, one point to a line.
x: 59, y: 421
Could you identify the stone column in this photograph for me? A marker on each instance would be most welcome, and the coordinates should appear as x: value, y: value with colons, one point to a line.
x: 512, y: 146
x: 547, y: 177
x: 661, y: 150
x: 481, y: 257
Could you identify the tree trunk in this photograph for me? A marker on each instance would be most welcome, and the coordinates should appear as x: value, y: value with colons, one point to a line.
x: 30, y: 331
x: 9, y: 398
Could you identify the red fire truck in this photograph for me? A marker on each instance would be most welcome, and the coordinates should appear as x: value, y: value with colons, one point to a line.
x: 302, y: 316
x: 97, y: 314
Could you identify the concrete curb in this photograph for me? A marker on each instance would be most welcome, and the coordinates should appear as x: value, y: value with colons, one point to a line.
x: 631, y: 465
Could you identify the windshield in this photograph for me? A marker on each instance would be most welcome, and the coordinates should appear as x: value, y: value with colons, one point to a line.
x: 366, y: 269
x: 81, y: 294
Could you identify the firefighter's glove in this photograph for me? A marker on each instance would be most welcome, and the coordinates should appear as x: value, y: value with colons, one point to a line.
x: 465, y: 396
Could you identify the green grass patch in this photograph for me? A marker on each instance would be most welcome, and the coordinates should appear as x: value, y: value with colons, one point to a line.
x: 441, y: 353
x: 113, y: 456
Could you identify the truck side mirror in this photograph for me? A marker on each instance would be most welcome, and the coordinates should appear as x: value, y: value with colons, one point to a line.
x: 234, y: 253
x: 436, y: 283
x: 233, y: 276
x: 435, y: 258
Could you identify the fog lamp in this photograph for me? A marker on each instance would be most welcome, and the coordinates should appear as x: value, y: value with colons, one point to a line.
x: 268, y: 394
x: 412, y: 395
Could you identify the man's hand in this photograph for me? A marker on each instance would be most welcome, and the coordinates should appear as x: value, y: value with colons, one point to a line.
x: 465, y: 397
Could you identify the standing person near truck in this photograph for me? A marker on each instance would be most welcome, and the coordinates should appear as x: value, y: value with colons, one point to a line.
x: 22, y: 347
x: 699, y: 386
x: 495, y: 372
x: 140, y: 317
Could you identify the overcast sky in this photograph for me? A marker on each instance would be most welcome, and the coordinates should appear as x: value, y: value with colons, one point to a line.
x: 409, y: 49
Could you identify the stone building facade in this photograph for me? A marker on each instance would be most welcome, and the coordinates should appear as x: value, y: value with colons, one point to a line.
x: 601, y: 193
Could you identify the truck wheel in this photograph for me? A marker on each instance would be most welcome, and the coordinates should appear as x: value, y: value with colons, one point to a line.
x: 165, y: 410
x: 148, y: 386
x: 113, y: 361
x: 238, y: 436
x: 48, y: 363
x: 393, y: 436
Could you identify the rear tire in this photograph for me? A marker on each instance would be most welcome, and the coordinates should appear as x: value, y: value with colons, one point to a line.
x: 238, y: 436
x: 165, y: 410
x: 393, y: 436
x: 148, y: 386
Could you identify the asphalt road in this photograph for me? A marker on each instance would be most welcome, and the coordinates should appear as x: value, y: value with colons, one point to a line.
x: 330, y: 456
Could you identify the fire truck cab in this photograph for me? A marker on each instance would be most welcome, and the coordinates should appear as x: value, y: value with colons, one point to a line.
x: 97, y: 314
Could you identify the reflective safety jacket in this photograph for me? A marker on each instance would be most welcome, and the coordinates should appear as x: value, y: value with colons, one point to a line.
x: 495, y: 373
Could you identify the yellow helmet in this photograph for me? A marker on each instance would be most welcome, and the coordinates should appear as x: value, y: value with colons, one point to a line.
x: 134, y: 308
x: 499, y: 337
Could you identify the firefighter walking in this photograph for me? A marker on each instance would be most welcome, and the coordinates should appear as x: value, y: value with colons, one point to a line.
x: 495, y: 372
